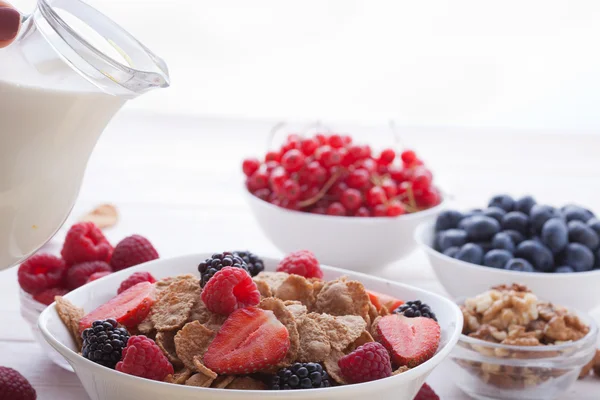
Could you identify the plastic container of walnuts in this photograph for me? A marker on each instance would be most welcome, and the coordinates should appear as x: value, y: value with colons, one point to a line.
x: 515, y: 346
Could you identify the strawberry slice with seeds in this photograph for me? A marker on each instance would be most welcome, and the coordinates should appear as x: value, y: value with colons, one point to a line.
x: 250, y: 340
x: 410, y: 341
x: 380, y: 299
x: 129, y: 308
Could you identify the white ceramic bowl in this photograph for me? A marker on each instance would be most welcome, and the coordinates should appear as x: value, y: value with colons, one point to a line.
x: 30, y: 311
x: 106, y: 384
x: 462, y: 279
x: 359, y: 244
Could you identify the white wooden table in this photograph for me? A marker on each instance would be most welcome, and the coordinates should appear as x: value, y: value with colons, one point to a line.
x: 177, y: 181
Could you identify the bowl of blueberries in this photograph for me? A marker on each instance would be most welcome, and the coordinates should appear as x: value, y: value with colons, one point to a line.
x: 554, y: 251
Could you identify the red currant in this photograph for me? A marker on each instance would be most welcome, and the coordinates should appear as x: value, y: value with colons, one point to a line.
x: 347, y: 157
x: 356, y: 151
x: 263, y: 194
x: 395, y: 208
x: 308, y: 192
x: 258, y: 180
x: 403, y: 188
x: 290, y: 190
x: 316, y: 173
x: 273, y: 156
x: 327, y: 156
x: 338, y: 189
x: 358, y: 179
x: 271, y: 165
x: 293, y: 160
x: 429, y: 197
x: 351, y: 199
x: 321, y: 138
x: 399, y: 174
x: 390, y: 188
x: 362, y: 212
x: 319, y: 210
x: 293, y: 138
x: 386, y: 157
x: 380, y: 210
x: 250, y: 165
x: 336, y: 208
x: 408, y: 157
x: 376, y: 196
x: 347, y: 139
x: 382, y: 169
x: 421, y: 178
x: 366, y: 151
x: 308, y: 146
x: 368, y: 164
x: 336, y: 141
x: 277, y: 178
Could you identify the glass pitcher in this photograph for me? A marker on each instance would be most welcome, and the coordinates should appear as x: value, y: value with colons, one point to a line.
x: 67, y: 74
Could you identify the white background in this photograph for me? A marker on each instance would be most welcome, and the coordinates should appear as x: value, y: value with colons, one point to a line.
x: 528, y: 64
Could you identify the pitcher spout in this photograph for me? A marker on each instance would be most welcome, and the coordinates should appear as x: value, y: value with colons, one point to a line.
x: 99, y: 49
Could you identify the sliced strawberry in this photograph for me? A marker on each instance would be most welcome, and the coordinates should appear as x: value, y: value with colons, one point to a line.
x: 250, y: 340
x: 380, y: 299
x: 410, y: 341
x: 129, y: 308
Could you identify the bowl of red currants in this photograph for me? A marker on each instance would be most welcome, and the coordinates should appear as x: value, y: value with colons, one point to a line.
x: 350, y: 205
x: 555, y: 251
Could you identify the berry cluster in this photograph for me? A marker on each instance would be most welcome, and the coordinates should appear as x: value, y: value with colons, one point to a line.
x: 520, y: 235
x: 329, y: 174
x: 86, y: 256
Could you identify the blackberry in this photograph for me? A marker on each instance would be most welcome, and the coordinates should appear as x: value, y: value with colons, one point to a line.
x: 300, y: 376
x: 216, y: 262
x: 412, y: 309
x: 255, y: 263
x: 104, y: 342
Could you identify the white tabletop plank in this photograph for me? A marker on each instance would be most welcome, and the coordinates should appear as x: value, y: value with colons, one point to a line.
x: 177, y: 180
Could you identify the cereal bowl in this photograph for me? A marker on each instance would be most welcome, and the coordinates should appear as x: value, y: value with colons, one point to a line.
x: 106, y: 384
x: 463, y: 279
x: 486, y: 370
x: 361, y: 244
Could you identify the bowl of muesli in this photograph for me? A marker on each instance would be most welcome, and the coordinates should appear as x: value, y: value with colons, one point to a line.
x: 516, y: 346
x: 223, y: 326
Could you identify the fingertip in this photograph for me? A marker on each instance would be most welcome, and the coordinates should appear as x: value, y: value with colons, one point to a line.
x: 10, y: 22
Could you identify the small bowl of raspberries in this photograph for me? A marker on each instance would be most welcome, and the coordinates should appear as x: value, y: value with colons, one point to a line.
x: 86, y: 256
x: 317, y: 188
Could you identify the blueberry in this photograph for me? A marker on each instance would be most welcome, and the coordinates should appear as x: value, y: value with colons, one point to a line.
x: 497, y: 258
x: 480, y: 227
x: 597, y: 265
x: 515, y: 236
x: 573, y: 212
x: 555, y: 234
x: 564, y: 269
x: 581, y: 232
x: 537, y: 254
x: 502, y: 201
x: 503, y: 241
x: 451, y: 238
x: 524, y: 204
x: 519, y: 264
x: 451, y: 251
x: 470, y: 253
x: 448, y: 220
x: 579, y: 257
x: 516, y: 221
x: 494, y: 212
x: 485, y: 246
x: 594, y: 223
x: 539, y: 214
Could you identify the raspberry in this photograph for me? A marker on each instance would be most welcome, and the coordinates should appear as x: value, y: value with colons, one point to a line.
x: 97, y: 275
x: 134, y: 279
x: 426, y: 393
x: 41, y: 272
x: 369, y: 362
x: 303, y: 263
x: 85, y: 242
x: 14, y: 386
x: 229, y: 289
x: 132, y: 250
x: 47, y: 296
x: 79, y: 274
x: 143, y: 358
